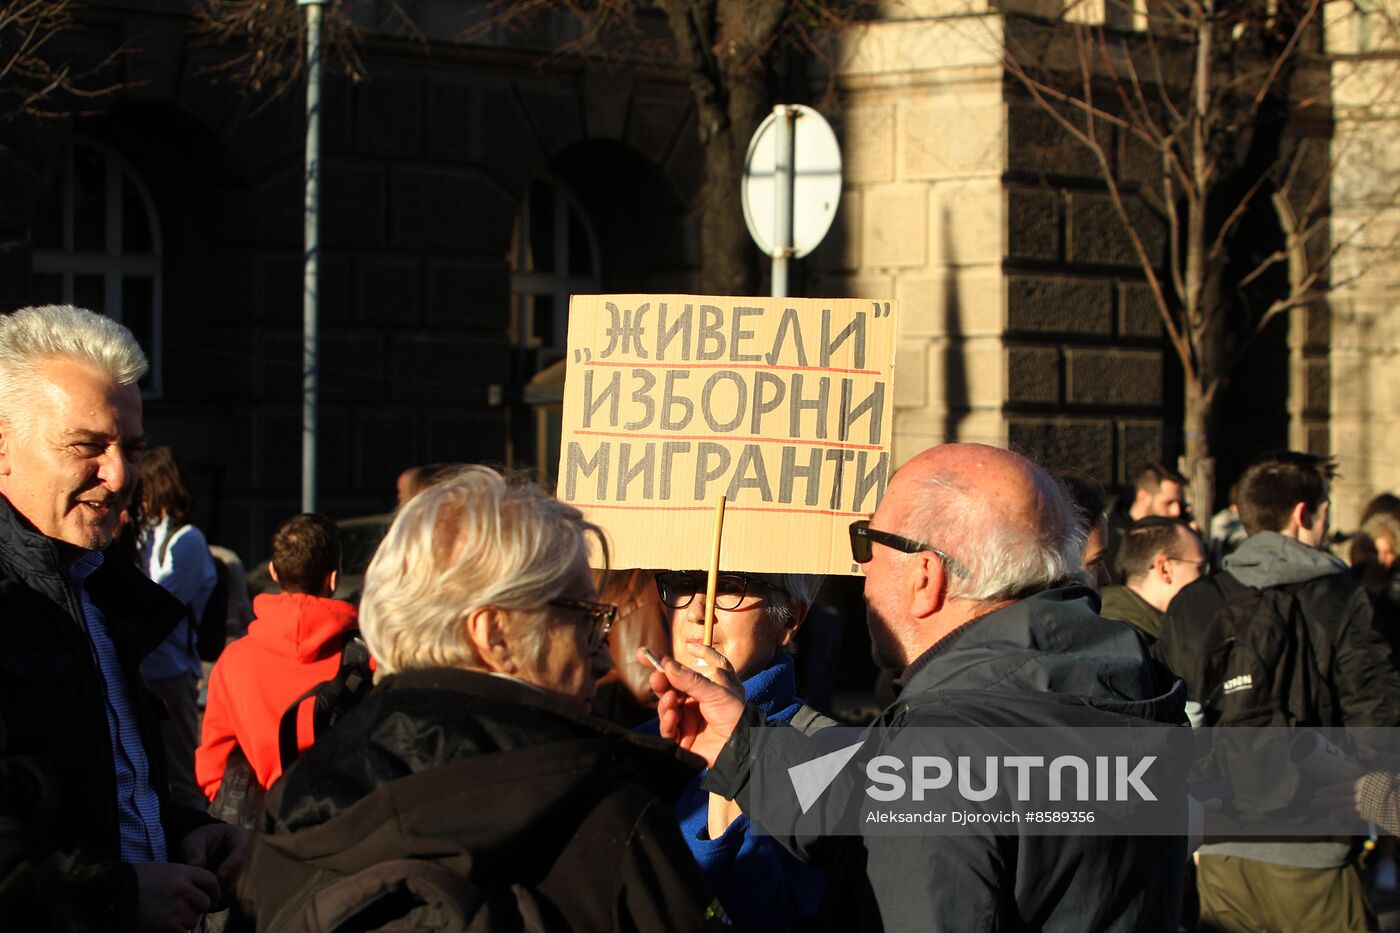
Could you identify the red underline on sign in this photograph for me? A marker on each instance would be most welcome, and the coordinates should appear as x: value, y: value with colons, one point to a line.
x: 712, y: 437
x: 683, y: 364
x: 708, y: 508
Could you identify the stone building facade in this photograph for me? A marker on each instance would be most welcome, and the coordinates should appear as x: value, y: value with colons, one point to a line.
x: 470, y: 191
x: 1027, y: 321
x: 1364, y: 377
x: 466, y: 193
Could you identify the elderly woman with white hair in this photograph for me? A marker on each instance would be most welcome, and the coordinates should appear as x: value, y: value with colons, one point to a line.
x: 761, y: 885
x: 472, y: 779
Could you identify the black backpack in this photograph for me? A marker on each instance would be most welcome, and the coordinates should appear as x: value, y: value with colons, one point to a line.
x: 1259, y: 660
x: 1258, y: 665
x: 333, y: 698
x: 211, y: 629
x: 209, y: 632
x: 239, y: 800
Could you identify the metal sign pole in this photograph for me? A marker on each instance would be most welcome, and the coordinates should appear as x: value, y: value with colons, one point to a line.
x: 784, y: 148
x: 794, y: 161
x: 312, y: 255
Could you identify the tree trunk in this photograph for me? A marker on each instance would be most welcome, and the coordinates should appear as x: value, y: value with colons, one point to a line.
x: 726, y: 260
x: 725, y: 48
x: 728, y: 257
x: 1197, y: 463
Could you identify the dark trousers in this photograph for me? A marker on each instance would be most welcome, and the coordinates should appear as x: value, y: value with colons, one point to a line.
x: 179, y: 734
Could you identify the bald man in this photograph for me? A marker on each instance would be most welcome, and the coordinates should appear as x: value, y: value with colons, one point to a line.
x: 966, y: 562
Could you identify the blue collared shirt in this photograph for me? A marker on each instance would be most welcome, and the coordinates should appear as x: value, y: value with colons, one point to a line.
x: 138, y: 807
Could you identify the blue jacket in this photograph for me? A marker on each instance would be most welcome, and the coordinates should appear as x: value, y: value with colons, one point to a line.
x: 761, y: 885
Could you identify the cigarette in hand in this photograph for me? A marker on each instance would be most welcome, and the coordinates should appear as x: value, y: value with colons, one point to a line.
x: 652, y: 658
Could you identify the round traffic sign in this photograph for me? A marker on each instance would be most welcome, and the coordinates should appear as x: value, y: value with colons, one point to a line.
x: 816, y: 181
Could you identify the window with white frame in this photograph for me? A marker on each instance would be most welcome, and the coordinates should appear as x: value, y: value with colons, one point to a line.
x: 554, y: 255
x: 97, y: 245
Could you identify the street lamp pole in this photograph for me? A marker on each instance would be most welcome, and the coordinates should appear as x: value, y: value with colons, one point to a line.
x: 311, y: 256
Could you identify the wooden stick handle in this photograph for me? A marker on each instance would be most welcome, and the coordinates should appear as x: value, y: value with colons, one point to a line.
x: 713, y: 575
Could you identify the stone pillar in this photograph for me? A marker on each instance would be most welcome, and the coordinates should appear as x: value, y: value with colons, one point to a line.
x: 923, y: 121
x: 1364, y: 314
x: 1025, y: 321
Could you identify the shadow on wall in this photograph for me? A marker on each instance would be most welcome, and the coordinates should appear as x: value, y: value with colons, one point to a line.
x: 955, y: 387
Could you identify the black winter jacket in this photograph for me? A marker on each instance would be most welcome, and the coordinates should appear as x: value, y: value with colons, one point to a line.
x: 52, y: 706
x: 498, y: 782
x: 1358, y: 672
x: 1046, y: 661
x: 1355, y: 682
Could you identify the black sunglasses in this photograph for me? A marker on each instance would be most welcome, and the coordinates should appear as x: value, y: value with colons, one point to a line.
x: 678, y: 588
x: 601, y: 618
x: 862, y: 535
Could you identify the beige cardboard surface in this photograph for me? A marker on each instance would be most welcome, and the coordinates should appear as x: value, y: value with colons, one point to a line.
x: 785, y: 405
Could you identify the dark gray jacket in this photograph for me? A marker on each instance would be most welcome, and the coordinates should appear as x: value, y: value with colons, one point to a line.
x: 1048, y: 660
x: 1358, y: 681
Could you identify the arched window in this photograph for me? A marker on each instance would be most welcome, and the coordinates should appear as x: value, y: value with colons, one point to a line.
x: 97, y: 245
x: 554, y: 254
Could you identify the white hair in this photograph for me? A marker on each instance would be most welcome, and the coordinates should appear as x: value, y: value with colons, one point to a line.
x: 800, y: 591
x: 470, y: 540
x: 1004, y: 558
x: 30, y: 336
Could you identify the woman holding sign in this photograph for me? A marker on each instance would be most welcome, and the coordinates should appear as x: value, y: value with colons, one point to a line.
x: 756, y: 617
x: 471, y: 789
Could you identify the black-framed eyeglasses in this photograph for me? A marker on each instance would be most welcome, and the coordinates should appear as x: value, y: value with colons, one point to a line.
x: 678, y: 588
x: 601, y: 618
x: 862, y: 535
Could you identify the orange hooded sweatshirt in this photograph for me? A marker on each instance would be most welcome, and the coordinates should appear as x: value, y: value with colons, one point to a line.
x: 292, y: 645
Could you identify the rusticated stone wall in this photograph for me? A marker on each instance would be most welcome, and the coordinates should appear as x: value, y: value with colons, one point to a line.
x: 1026, y: 317
x: 1025, y: 320
x: 1363, y: 328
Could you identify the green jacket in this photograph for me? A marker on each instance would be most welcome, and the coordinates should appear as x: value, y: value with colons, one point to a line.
x: 1123, y: 604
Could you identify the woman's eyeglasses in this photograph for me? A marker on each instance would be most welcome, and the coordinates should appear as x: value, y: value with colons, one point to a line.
x: 862, y: 535
x: 601, y: 618
x: 678, y: 588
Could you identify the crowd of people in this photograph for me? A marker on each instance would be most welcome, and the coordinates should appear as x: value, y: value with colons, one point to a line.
x: 547, y: 747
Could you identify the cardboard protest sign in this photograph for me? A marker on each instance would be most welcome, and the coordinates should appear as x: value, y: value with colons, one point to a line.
x: 784, y: 405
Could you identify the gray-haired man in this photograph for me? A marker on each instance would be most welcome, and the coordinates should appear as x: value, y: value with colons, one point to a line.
x: 74, y: 626
x: 965, y: 562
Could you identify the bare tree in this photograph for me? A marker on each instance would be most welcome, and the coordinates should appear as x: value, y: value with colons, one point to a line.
x: 36, y: 77
x: 730, y: 52
x: 265, y: 40
x: 1226, y: 100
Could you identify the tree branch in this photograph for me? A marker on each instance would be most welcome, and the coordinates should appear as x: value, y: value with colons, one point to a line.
x: 31, y: 80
